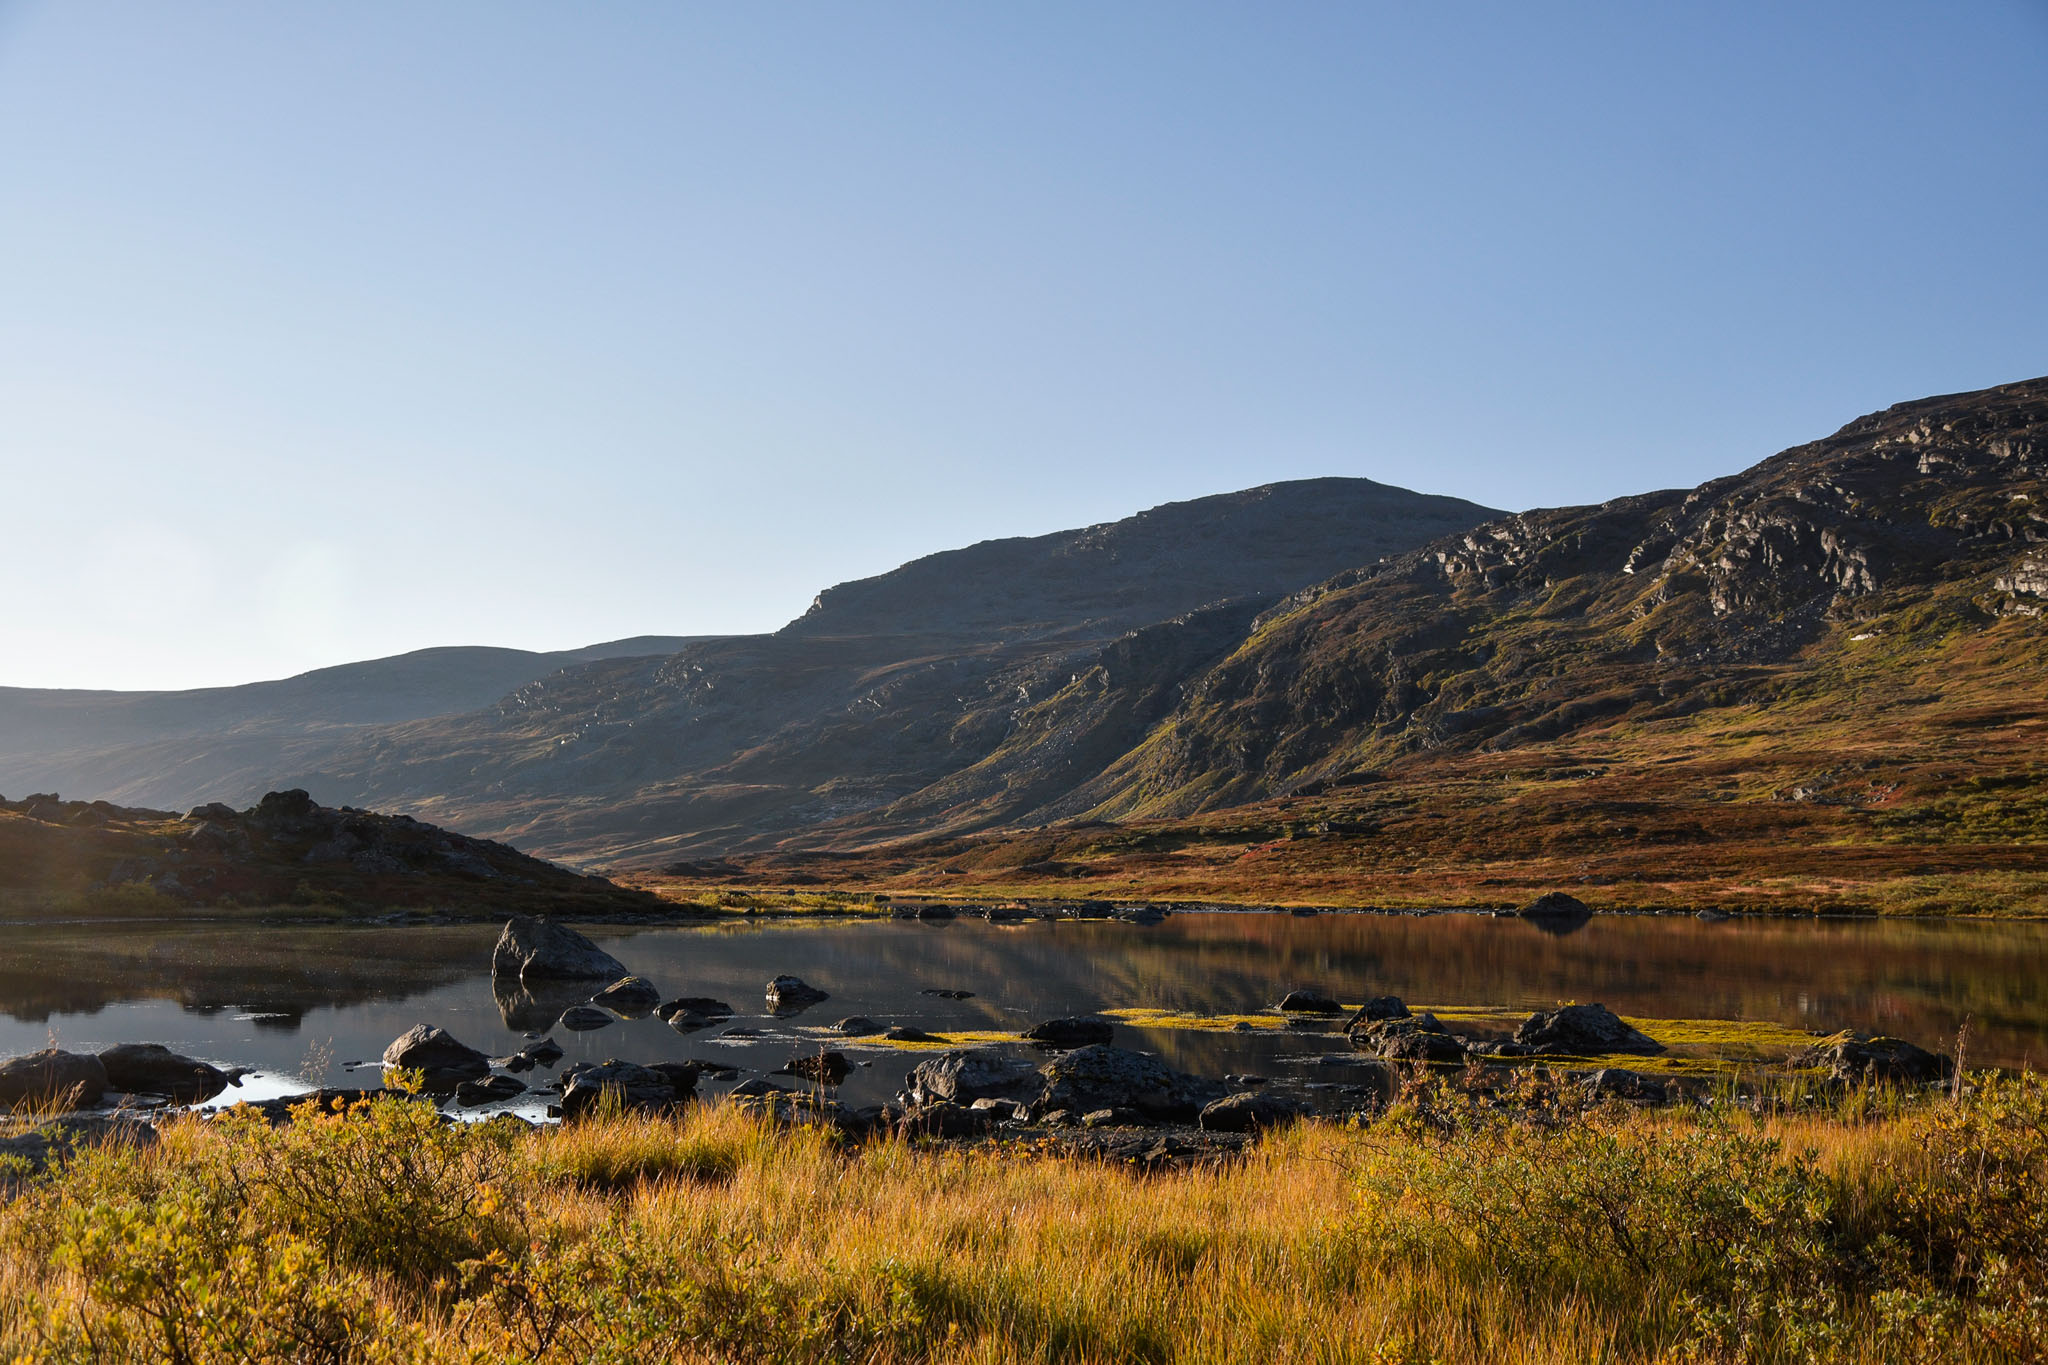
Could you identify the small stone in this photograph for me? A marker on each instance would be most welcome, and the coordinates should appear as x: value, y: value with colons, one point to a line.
x: 583, y: 1018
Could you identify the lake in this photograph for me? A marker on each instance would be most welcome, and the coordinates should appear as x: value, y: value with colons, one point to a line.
x: 299, y: 1003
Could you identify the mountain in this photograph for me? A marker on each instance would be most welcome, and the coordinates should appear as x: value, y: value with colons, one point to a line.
x: 1819, y: 683
x: 885, y: 688
x: 171, y: 748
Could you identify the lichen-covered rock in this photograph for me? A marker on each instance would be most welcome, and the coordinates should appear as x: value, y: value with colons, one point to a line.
x: 1582, y: 1031
x: 966, y: 1075
x: 443, y: 1061
x: 53, y: 1076
x: 535, y: 948
x: 1853, y: 1056
x: 153, y: 1069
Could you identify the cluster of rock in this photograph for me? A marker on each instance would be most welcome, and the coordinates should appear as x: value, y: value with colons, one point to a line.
x: 1385, y: 1027
x: 54, y: 1077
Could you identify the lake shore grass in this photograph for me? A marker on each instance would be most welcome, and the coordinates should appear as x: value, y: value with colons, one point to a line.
x: 1886, y: 1228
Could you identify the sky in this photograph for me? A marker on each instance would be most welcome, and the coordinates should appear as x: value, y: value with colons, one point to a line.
x: 333, y: 331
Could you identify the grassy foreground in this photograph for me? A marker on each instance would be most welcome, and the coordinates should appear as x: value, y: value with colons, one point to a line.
x: 1882, y: 1231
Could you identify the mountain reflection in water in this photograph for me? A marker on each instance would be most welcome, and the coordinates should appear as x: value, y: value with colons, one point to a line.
x: 304, y: 1001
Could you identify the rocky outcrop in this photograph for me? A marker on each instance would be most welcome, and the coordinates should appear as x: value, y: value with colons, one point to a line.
x: 1582, y: 1031
x: 443, y: 1061
x: 1092, y: 1078
x: 536, y: 949
x: 153, y: 1069
x: 964, y: 1076
x: 53, y: 1077
x: 1409, y: 1038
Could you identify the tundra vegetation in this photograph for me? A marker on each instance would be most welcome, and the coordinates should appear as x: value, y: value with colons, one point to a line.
x: 1880, y: 1225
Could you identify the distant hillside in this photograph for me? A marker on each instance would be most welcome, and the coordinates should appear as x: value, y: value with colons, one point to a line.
x: 284, y: 850
x: 174, y: 748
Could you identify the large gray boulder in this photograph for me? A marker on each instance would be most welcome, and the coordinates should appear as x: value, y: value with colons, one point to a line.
x: 788, y: 994
x: 1250, y: 1111
x: 1092, y: 1078
x: 153, y: 1069
x: 969, y: 1074
x: 1853, y: 1056
x: 631, y: 996
x: 443, y: 1061
x: 53, y: 1076
x: 1582, y: 1031
x: 631, y: 1086
x: 534, y: 948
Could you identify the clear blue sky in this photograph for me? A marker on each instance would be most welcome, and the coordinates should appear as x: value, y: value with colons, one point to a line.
x: 333, y: 331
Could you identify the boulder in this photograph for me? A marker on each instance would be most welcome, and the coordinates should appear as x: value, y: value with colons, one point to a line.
x: 546, y: 1052
x: 1556, y: 905
x: 1618, y: 1083
x: 583, y: 1018
x: 859, y: 1026
x: 444, y: 1061
x: 1309, y: 1002
x: 488, y: 1090
x: 1851, y: 1056
x: 1376, y: 1010
x: 942, y: 993
x: 966, y: 1075
x: 903, y: 1033
x: 1083, y: 1031
x: 689, y: 1021
x: 534, y: 948
x: 788, y: 994
x: 1582, y: 1031
x: 946, y: 1120
x: 53, y: 1076
x: 1411, y: 1038
x: 1100, y: 1077
x: 694, y: 1004
x: 628, y: 1084
x: 1115, y: 1117
x: 153, y: 1069
x: 682, y: 1075
x: 823, y: 1068
x: 1249, y: 1111
x: 631, y: 996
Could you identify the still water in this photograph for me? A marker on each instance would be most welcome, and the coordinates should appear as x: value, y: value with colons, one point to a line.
x: 299, y: 1003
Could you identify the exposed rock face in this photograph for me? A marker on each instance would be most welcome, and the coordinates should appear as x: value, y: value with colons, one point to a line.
x: 1309, y: 1002
x: 1852, y: 1056
x: 628, y: 1084
x: 788, y: 994
x: 1071, y: 1033
x: 632, y: 997
x: 1411, y: 1038
x: 1092, y: 1078
x: 534, y: 948
x: 153, y: 1069
x: 444, y: 1061
x: 1250, y: 1111
x: 1582, y: 1031
x: 53, y: 1076
x: 965, y: 1076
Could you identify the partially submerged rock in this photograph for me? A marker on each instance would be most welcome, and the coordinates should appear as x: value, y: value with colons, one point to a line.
x: 629, y: 1085
x: 535, y: 948
x: 153, y: 1069
x: 1375, y: 1010
x: 53, y: 1077
x: 1411, y: 1038
x: 858, y: 1026
x: 632, y: 996
x: 488, y: 1090
x: 966, y: 1075
x: 1556, y: 905
x: 1309, y: 1002
x: 1852, y: 1056
x: 443, y: 1061
x: 694, y: 1004
x: 1582, y: 1031
x: 788, y: 994
x: 584, y: 1018
x: 1084, y: 1031
x: 824, y: 1068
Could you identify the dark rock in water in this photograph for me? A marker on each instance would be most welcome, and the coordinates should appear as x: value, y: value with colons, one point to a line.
x: 858, y: 1026
x: 488, y: 1090
x: 53, y: 1076
x: 944, y: 994
x: 631, y: 1086
x: 1114, y: 1117
x: 689, y: 1021
x: 966, y: 1075
x: 1415, y: 1038
x: 755, y: 1088
x: 58, y: 1140
x: 1249, y: 1111
x: 442, y: 1060
x: 788, y: 994
x: 682, y: 1075
x: 518, y: 1063
x: 534, y: 948
x: 936, y: 913
x: 1143, y: 914
x: 1099, y: 1077
x: 1713, y: 916
x: 1071, y: 1033
x: 716, y: 1070
x: 546, y: 1052
x: 1554, y: 912
x: 153, y: 1069
x: 1582, y: 1031
x: 631, y: 996
x: 825, y: 1068
x: 695, y: 1004
x: 903, y: 1033
x: 1852, y: 1056
x: 1377, y: 1010
x: 583, y: 1018
x: 1617, y: 1083
x: 1309, y: 1002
